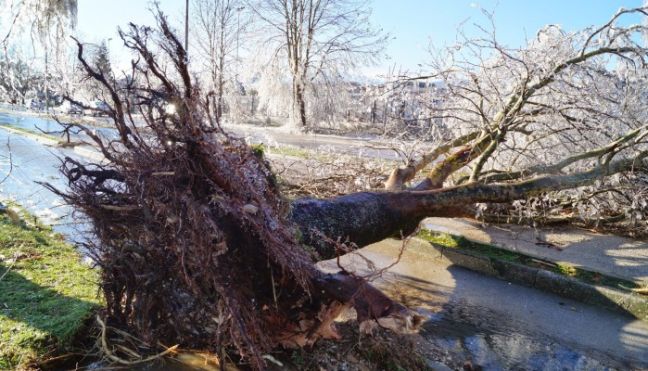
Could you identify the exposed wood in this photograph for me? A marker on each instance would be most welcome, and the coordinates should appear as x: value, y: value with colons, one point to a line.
x: 402, y: 175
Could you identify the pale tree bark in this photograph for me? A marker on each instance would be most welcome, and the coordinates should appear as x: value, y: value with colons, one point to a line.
x: 217, y: 37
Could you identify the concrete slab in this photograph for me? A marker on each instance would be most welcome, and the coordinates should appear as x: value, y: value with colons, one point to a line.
x: 615, y: 256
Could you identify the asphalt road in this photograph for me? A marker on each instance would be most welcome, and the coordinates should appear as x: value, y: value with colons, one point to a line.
x: 24, y: 162
x: 365, y: 147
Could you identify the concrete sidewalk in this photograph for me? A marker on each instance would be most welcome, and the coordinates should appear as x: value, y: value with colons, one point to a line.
x: 498, y: 324
x: 610, y: 255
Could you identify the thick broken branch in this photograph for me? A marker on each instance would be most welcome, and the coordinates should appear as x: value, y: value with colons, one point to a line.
x: 457, y: 160
x: 609, y: 149
x: 369, y: 217
x: 400, y: 176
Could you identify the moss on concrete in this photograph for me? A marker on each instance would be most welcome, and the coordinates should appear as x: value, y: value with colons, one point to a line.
x: 261, y: 149
x: 258, y: 149
x: 557, y: 277
x: 460, y: 242
x: 46, y: 292
x: 447, y: 240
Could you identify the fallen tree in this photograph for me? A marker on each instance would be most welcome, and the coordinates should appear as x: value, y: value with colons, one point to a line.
x: 198, y: 246
x: 567, y: 103
x: 194, y: 240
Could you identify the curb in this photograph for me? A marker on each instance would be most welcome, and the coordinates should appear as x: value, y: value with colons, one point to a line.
x: 624, y: 301
x: 81, y: 151
x: 39, y: 138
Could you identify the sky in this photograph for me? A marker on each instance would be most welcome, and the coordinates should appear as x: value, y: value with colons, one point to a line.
x: 413, y: 25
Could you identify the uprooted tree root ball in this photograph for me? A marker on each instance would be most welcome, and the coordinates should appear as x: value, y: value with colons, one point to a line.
x: 192, y: 235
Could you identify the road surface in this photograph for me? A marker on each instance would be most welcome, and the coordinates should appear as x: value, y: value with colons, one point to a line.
x: 272, y: 136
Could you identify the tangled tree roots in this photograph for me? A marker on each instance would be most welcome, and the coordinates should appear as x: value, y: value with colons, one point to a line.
x: 192, y: 234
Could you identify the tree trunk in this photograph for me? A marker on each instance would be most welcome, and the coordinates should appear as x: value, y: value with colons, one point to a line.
x: 361, y: 218
x: 299, y: 105
x: 219, y: 109
x: 368, y: 217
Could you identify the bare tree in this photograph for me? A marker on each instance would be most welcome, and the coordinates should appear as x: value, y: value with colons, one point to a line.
x: 37, y: 16
x: 16, y: 80
x: 218, y: 32
x: 51, y: 21
x: 319, y: 41
x: 565, y: 103
x: 47, y: 23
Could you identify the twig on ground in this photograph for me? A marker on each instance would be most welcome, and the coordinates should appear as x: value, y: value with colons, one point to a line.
x: 106, y: 349
x: 10, y: 162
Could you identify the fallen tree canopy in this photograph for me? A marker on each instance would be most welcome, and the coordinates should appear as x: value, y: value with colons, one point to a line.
x: 197, y: 245
x: 564, y: 103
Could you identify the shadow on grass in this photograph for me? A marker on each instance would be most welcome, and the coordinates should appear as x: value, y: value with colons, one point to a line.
x: 34, y: 319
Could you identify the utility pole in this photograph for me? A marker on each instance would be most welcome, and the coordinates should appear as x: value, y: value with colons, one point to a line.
x: 187, y: 28
x: 238, y: 32
x: 46, y: 80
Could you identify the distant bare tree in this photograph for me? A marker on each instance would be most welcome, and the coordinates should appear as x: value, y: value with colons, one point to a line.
x: 319, y: 41
x: 217, y: 33
x: 47, y: 22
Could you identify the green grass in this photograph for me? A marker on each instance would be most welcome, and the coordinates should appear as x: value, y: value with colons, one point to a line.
x: 291, y: 151
x: 46, y: 293
x: 261, y: 149
x: 458, y: 242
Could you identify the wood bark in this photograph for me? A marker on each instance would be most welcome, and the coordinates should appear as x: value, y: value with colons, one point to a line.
x: 367, y: 217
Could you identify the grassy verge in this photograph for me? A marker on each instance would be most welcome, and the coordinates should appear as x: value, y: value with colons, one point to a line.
x: 33, y: 132
x: 261, y: 149
x: 293, y: 152
x: 492, y: 252
x: 46, y: 293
